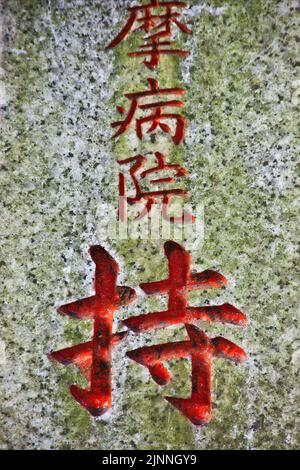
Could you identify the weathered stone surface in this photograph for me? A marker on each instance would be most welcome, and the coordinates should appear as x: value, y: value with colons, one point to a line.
x: 59, y: 165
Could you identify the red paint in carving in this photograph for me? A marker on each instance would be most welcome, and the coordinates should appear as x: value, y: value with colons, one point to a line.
x: 158, y: 115
x: 94, y: 357
x: 160, y: 24
x: 151, y: 196
x: 179, y: 282
x: 201, y: 349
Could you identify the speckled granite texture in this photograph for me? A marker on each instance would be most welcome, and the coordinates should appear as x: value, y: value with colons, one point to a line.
x: 59, y: 164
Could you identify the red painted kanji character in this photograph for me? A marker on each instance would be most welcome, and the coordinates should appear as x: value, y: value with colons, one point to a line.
x: 94, y: 357
x: 198, y: 407
x: 151, y: 196
x: 179, y: 282
x: 158, y: 115
x: 200, y: 348
x: 152, y: 19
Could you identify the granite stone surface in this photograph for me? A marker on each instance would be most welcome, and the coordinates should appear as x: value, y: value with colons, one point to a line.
x: 59, y: 88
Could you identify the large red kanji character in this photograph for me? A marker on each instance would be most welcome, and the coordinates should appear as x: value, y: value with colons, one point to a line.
x: 151, y: 196
x: 94, y: 357
x: 158, y: 115
x: 178, y: 284
x: 201, y: 349
x: 153, y: 20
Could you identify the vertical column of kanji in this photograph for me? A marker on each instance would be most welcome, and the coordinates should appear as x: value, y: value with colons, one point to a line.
x: 155, y: 18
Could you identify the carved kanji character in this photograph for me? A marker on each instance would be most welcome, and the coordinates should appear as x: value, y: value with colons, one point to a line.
x: 151, y: 18
x: 150, y: 197
x: 156, y: 118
